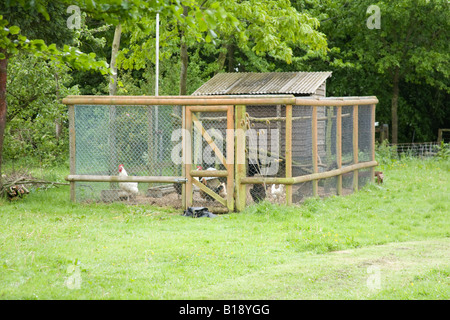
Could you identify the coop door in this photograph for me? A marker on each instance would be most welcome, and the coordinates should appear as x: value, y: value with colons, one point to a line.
x: 209, y: 162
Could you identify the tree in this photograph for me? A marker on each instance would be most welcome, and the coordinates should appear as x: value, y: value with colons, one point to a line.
x: 263, y: 28
x: 410, y: 48
x: 13, y: 40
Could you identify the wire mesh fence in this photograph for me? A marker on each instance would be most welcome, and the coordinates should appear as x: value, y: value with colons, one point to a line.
x: 280, y: 143
x: 139, y: 138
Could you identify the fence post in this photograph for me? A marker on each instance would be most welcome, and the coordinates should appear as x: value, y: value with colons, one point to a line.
x: 372, y: 140
x: 339, y: 147
x: 188, y: 156
x: 355, y: 146
x: 72, y: 149
x: 183, y: 156
x: 288, y: 151
x: 230, y: 158
x: 240, y: 171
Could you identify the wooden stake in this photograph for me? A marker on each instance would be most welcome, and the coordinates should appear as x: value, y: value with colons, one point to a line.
x: 188, y: 159
x: 230, y: 158
x: 240, y: 164
x: 372, y: 140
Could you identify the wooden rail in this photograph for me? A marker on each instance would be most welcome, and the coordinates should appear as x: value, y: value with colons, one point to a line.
x: 309, y: 177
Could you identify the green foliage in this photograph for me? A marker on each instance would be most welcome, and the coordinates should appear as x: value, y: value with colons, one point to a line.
x: 34, y: 102
x: 444, y: 151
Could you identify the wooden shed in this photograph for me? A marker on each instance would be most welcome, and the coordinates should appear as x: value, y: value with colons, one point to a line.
x: 299, y: 84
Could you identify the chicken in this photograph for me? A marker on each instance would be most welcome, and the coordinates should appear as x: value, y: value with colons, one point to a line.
x: 277, y: 193
x: 258, y: 193
x: 203, y: 194
x: 222, y: 190
x: 379, y: 176
x: 178, y: 187
x: 129, y: 188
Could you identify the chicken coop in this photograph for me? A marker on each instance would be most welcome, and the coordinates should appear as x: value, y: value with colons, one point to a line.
x: 237, y: 140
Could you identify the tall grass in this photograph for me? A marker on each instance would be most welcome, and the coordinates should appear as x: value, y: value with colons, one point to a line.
x: 144, y: 252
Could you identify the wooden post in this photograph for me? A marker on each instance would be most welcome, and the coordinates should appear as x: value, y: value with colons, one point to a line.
x: 315, y: 183
x: 339, y: 147
x: 372, y: 141
x: 240, y: 169
x: 288, y: 151
x: 72, y: 149
x: 355, y: 146
x: 230, y: 159
x: 188, y: 158
x: 183, y: 155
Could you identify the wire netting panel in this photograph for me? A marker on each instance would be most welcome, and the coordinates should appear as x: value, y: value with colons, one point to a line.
x: 142, y: 138
x: 347, y: 136
x: 365, y: 126
x: 364, y: 177
x: 302, y: 163
x: 326, y: 140
x: 265, y: 151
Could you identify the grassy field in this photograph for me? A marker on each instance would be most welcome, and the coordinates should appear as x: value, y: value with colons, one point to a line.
x: 384, y: 242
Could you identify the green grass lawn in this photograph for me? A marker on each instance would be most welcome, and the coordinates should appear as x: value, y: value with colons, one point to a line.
x: 384, y: 242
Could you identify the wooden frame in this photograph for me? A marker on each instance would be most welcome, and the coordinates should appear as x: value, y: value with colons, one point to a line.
x: 235, y: 161
x: 191, y: 122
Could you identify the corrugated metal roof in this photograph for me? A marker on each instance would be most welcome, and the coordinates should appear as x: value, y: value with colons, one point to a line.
x: 263, y: 83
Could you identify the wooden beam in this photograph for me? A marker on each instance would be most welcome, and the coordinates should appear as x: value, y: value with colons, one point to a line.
x: 180, y: 100
x: 230, y: 158
x: 372, y: 140
x: 288, y: 152
x: 207, y: 190
x: 309, y: 177
x: 335, y: 101
x: 355, y: 146
x: 139, y: 179
x: 240, y: 163
x: 188, y: 158
x: 208, y: 173
x: 183, y: 157
x: 315, y: 154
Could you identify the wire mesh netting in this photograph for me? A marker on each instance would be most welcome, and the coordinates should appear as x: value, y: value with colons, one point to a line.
x: 265, y: 150
x: 141, y: 138
x: 146, y: 140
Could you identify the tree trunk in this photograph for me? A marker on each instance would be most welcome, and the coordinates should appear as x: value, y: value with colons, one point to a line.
x: 184, y: 59
x: 3, y: 104
x: 230, y: 51
x: 58, y: 124
x: 115, y: 49
x: 394, y: 106
x: 221, y: 59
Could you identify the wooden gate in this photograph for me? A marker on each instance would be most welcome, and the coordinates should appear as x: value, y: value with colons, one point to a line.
x: 197, y: 135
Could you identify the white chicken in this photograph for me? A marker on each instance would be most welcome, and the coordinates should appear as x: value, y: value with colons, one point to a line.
x: 277, y: 192
x: 129, y: 188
